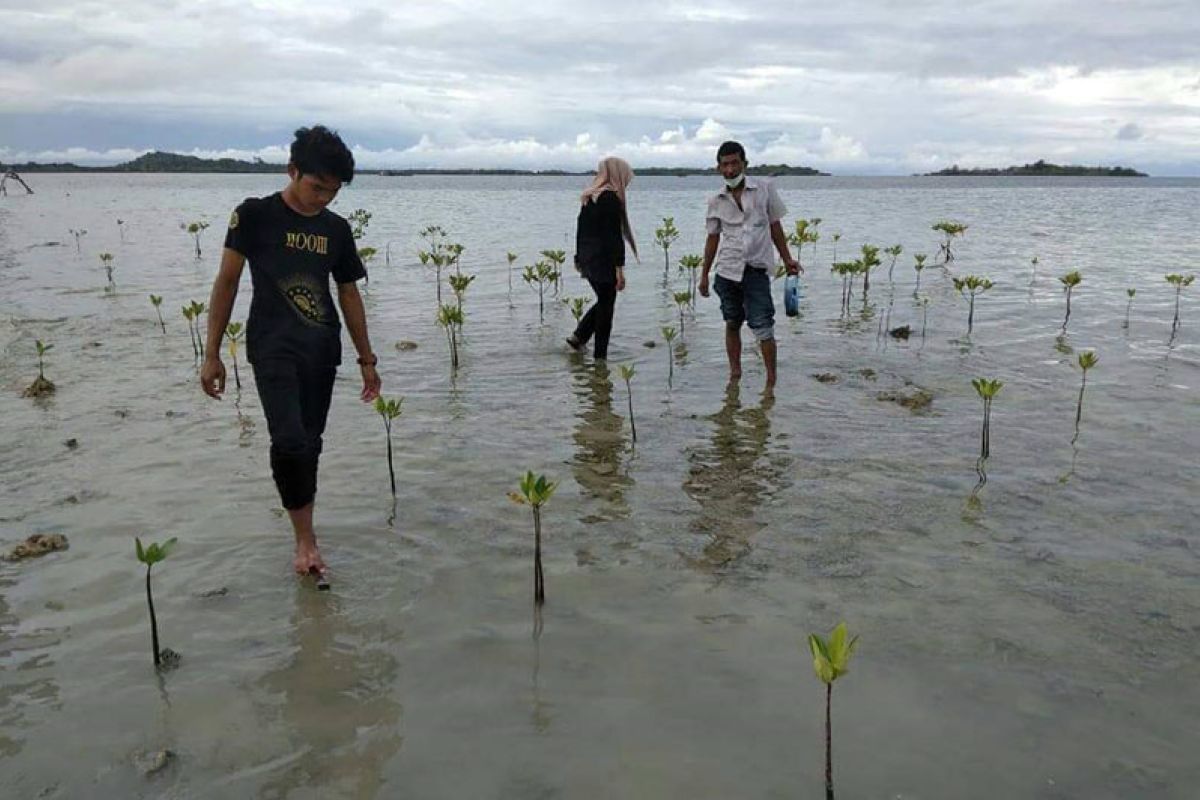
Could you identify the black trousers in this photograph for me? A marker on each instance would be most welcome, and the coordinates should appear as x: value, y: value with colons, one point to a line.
x: 295, y: 399
x: 599, y: 318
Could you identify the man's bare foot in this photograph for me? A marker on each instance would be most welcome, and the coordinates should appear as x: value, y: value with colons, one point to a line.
x: 308, y: 557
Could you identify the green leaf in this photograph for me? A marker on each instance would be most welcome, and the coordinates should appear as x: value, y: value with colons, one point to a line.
x: 141, y: 552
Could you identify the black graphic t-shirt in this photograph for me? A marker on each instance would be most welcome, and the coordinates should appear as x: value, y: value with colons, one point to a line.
x: 291, y: 258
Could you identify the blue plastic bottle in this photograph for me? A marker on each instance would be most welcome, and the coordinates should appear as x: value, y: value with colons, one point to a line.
x: 791, y: 295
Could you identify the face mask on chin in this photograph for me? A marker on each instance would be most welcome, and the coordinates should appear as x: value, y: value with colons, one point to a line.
x: 735, y: 181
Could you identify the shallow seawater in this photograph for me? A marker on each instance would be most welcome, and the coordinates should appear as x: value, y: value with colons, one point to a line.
x: 1039, y: 643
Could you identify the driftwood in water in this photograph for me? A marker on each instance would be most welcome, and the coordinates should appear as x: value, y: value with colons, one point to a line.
x: 12, y: 175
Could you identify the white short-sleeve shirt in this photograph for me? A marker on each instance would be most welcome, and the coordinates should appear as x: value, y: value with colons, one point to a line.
x: 745, y: 232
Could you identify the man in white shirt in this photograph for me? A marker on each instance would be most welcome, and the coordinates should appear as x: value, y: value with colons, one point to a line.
x: 743, y: 222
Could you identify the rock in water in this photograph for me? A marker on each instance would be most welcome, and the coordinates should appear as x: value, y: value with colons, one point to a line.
x: 903, y: 332
x: 406, y: 345
x: 170, y: 659
x: 149, y: 763
x: 37, y: 545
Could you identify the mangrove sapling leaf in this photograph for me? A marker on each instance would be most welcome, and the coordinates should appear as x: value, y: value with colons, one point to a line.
x: 969, y: 286
x: 41, y: 387
x: 1179, y: 282
x: 535, y: 492
x: 234, y: 332
x: 389, y: 409
x: 359, y: 219
x: 691, y: 263
x: 42, y: 349
x: 987, y: 390
x: 1069, y: 282
x: 151, y: 555
x: 949, y: 231
x: 451, y: 318
x: 831, y: 660
x: 577, y: 305
x: 682, y: 300
x: 195, y: 229
x: 78, y: 234
x: 803, y: 233
x: 668, y: 333
x: 627, y: 373
x: 106, y: 261
x: 156, y: 301
x: 1129, y: 305
x: 664, y: 237
x: 1087, y: 360
x: 894, y: 251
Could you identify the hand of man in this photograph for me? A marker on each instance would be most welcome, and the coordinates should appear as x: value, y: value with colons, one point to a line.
x: 371, y: 383
x: 620, y: 280
x: 704, y: 284
x: 212, y: 377
x: 793, y: 266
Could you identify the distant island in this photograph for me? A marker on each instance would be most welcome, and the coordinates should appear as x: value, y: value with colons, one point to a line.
x: 1041, y: 167
x: 159, y: 161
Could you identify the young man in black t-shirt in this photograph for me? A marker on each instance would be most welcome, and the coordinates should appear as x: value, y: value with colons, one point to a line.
x: 293, y: 337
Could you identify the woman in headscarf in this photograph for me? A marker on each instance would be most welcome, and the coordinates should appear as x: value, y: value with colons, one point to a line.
x: 600, y: 236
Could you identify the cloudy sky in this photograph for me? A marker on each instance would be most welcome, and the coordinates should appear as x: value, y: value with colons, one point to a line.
x: 850, y: 87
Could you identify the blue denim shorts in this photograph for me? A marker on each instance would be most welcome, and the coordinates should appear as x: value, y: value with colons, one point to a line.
x: 749, y: 301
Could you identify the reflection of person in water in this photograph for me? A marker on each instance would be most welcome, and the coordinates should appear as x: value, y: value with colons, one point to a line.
x: 730, y: 479
x: 600, y: 437
x: 337, y: 706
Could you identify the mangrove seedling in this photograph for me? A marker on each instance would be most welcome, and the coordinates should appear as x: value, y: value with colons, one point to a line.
x: 627, y: 372
x: 577, y: 305
x: 683, y: 300
x: 151, y: 555
x: 1087, y: 360
x: 512, y: 257
x: 924, y: 316
x: 234, y: 331
x: 156, y: 301
x: 557, y: 258
x: 668, y: 333
x: 389, y: 409
x: 451, y: 318
x: 40, y: 386
x: 691, y: 263
x: 536, y: 491
x: 814, y: 235
x: 541, y: 273
x: 1069, y: 282
x: 831, y: 660
x: 836, y: 238
x: 455, y: 250
x: 804, y: 233
x: 359, y: 219
x: 949, y: 231
x: 869, y: 260
x: 195, y: 229
x: 78, y: 234
x: 664, y: 237
x: 459, y: 284
x: 918, y: 266
x: 197, y: 310
x: 1033, y: 262
x: 1178, y: 281
x: 894, y: 251
x: 846, y: 269
x: 969, y: 286
x: 1129, y: 304
x: 121, y: 229
x: 106, y: 261
x: 190, y: 316
x: 987, y: 390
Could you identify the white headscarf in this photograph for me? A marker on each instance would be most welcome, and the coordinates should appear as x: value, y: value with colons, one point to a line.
x: 613, y: 175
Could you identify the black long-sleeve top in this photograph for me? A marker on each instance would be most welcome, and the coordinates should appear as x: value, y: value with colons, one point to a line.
x: 599, y: 245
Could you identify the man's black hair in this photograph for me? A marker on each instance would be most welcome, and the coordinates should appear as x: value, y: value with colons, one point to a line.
x: 729, y: 148
x: 320, y: 151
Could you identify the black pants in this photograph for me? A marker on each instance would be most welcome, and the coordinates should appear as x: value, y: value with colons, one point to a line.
x: 295, y: 399
x: 599, y: 318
